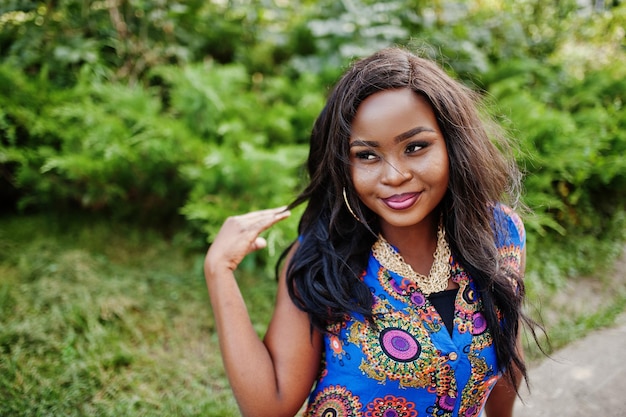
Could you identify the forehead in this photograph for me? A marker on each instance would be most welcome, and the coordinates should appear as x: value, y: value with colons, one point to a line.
x: 390, y: 113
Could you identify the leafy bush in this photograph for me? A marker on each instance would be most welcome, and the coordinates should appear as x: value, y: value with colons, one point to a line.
x: 225, y: 104
x: 24, y: 131
x: 572, y: 131
x: 163, y: 115
x: 235, y: 181
x: 104, y: 146
x: 204, y: 141
x: 254, y: 132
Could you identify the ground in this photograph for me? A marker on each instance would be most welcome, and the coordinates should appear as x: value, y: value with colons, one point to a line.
x: 587, y: 376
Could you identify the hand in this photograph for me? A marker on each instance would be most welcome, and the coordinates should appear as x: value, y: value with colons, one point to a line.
x: 239, y: 236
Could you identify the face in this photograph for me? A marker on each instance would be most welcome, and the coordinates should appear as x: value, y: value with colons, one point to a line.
x: 399, y: 161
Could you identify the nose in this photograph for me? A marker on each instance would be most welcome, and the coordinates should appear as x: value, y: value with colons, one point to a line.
x: 394, y: 173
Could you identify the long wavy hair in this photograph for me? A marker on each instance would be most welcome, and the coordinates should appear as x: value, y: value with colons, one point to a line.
x: 324, y: 274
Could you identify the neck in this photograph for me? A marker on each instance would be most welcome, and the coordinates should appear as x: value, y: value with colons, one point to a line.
x: 416, y: 244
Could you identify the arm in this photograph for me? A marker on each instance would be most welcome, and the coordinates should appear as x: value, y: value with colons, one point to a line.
x: 501, y: 401
x: 502, y: 398
x: 270, y: 377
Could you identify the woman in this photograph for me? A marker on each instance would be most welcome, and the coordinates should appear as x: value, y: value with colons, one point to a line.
x: 402, y: 295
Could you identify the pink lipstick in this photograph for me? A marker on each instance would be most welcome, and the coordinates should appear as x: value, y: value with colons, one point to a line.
x: 401, y: 201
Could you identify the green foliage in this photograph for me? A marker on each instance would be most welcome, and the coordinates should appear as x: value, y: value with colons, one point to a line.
x: 207, y: 138
x: 254, y: 129
x: 226, y: 105
x: 234, y: 181
x: 572, y: 131
x: 122, y: 39
x: 101, y: 146
x: 22, y: 129
x: 158, y: 111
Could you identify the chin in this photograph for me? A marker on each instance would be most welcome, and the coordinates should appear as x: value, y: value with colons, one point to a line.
x: 403, y: 223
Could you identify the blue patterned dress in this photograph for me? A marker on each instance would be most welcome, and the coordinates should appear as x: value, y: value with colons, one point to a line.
x: 410, y: 365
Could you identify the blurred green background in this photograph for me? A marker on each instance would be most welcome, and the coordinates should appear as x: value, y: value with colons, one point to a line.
x: 130, y: 129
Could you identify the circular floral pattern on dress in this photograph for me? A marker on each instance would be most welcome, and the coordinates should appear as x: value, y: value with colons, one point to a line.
x: 399, y: 345
x: 335, y: 401
x: 337, y: 350
x: 391, y: 349
x: 471, y: 411
x: 418, y: 299
x: 446, y: 402
x: 480, y: 323
x: 391, y: 406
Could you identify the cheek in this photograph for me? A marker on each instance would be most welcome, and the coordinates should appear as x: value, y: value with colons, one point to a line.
x: 363, y: 179
x: 442, y: 173
x: 436, y: 170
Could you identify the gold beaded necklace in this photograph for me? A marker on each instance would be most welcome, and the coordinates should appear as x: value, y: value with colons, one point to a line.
x: 437, y: 279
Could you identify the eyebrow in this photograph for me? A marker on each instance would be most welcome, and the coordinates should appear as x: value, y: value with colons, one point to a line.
x: 365, y: 143
x: 401, y: 137
x: 410, y: 133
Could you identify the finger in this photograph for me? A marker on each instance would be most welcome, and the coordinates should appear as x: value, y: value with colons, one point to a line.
x: 262, y: 214
x: 239, y: 236
x: 259, y: 243
x: 281, y: 215
x: 257, y: 222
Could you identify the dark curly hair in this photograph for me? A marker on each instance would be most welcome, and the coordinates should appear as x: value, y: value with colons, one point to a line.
x: 323, y: 275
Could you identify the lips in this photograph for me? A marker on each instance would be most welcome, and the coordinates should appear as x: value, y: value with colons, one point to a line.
x: 401, y: 201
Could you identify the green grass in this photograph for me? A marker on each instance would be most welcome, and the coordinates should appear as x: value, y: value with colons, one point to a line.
x: 571, y: 327
x: 571, y: 306
x: 106, y: 319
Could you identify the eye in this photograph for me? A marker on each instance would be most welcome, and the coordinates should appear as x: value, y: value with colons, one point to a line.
x: 366, y: 155
x: 414, y: 147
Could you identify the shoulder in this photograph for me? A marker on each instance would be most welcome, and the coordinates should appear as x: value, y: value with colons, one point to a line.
x: 509, y: 227
x: 510, y: 237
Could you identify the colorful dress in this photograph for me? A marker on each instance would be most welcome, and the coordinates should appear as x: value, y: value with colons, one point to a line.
x: 410, y: 365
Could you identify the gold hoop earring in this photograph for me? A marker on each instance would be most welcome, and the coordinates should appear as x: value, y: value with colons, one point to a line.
x: 345, y: 199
